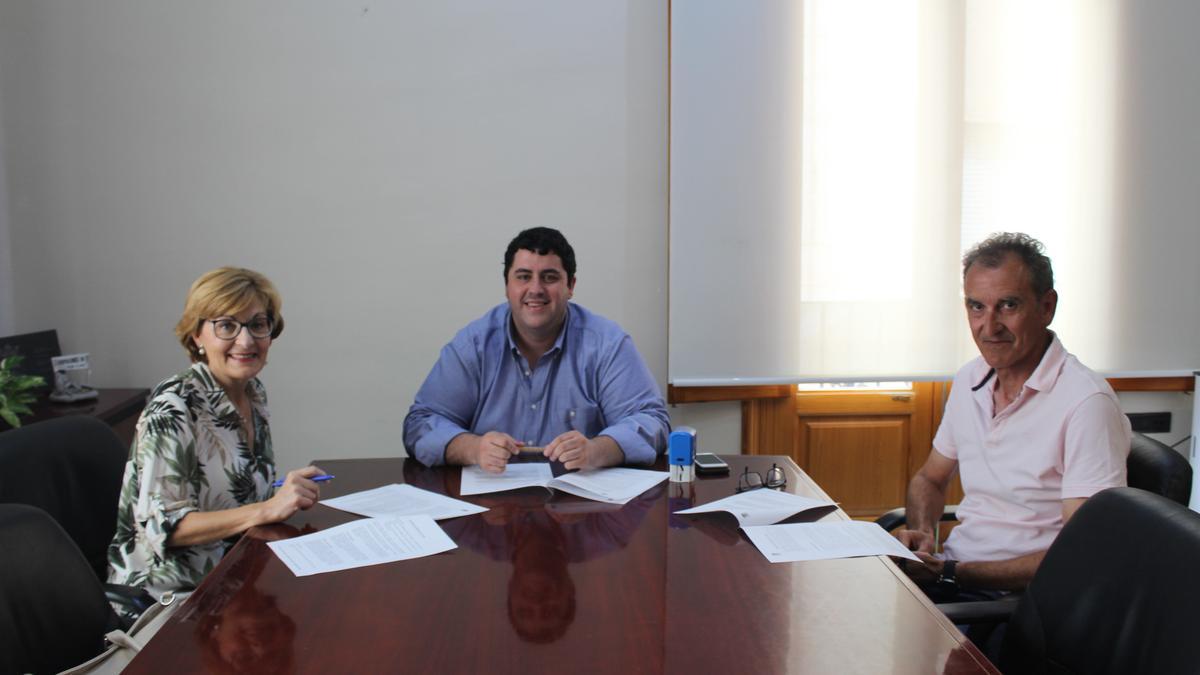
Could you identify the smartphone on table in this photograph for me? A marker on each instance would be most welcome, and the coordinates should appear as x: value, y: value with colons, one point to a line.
x: 709, y: 463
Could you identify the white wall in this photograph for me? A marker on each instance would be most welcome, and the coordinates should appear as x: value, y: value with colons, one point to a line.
x: 1159, y: 174
x: 718, y: 425
x: 1159, y: 164
x: 1177, y: 403
x: 7, y: 310
x: 373, y: 159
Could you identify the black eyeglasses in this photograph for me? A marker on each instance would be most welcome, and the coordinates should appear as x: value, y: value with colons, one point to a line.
x: 752, y: 480
x: 226, y: 328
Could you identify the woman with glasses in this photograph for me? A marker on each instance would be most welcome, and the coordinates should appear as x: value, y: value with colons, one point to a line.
x: 201, y: 469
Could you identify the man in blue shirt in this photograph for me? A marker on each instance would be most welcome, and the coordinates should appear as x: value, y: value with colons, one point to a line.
x: 538, y: 371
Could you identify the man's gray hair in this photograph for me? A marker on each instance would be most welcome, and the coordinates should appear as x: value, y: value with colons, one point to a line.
x: 991, y: 253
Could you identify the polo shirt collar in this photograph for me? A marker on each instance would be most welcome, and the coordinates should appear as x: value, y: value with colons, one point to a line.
x: 1046, y: 373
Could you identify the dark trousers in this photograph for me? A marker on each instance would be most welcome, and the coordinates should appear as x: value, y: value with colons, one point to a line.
x: 987, y: 636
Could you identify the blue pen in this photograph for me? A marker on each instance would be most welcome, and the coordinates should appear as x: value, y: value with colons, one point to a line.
x: 316, y: 479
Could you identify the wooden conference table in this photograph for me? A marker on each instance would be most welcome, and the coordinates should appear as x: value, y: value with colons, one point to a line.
x: 118, y: 408
x: 544, y: 583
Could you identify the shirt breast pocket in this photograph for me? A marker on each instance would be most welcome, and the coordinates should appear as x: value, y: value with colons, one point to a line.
x: 584, y: 418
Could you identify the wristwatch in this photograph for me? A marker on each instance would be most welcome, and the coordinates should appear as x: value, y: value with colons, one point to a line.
x: 948, y: 580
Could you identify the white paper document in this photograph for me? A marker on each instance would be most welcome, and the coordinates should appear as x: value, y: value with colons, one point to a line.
x: 761, y: 506
x: 615, y: 485
x: 823, y: 541
x: 476, y: 481
x: 370, y: 541
x: 403, y: 500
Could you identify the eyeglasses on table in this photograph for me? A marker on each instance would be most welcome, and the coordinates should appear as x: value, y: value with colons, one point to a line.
x: 752, y: 480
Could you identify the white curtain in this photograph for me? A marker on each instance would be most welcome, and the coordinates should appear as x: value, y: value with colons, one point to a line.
x: 880, y: 184
x: 734, y: 194
x: 921, y: 126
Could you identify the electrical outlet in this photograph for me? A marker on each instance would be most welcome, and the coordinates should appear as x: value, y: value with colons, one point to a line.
x: 1150, y: 423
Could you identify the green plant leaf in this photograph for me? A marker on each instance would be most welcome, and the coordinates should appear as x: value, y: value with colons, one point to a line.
x: 28, y: 381
x: 10, y: 417
x: 16, y: 390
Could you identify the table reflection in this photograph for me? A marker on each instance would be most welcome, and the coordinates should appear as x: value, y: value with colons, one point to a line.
x: 542, y: 539
x: 244, y: 631
x: 585, y: 585
x: 718, y: 526
x: 541, y: 595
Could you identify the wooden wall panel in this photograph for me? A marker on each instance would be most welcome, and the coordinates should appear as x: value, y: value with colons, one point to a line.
x: 861, y: 462
x: 769, y: 426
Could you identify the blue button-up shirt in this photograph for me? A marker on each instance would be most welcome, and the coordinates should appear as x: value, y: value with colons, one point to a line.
x: 592, y: 380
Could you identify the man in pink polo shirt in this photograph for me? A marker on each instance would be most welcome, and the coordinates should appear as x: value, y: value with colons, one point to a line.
x: 1032, y: 431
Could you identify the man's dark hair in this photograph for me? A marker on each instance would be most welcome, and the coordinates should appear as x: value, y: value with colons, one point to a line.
x: 992, y: 252
x: 542, y: 241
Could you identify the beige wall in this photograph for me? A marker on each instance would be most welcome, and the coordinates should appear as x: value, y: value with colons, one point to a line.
x: 373, y: 159
x: 7, y: 310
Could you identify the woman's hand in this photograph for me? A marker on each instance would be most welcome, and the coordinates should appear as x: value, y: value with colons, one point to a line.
x: 297, y: 493
x: 203, y: 527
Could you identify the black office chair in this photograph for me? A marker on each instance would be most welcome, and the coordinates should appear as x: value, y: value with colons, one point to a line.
x: 1116, y: 593
x: 1155, y: 467
x: 71, y: 468
x: 1151, y: 466
x: 53, y: 609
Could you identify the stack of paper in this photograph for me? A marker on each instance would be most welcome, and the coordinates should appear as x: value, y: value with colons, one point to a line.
x: 822, y: 541
x: 761, y: 506
x: 755, y: 510
x: 370, y: 541
x: 614, y: 485
x: 400, y: 526
x: 403, y: 500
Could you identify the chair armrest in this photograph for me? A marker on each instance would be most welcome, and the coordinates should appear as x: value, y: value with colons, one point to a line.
x: 897, y: 518
x: 892, y: 519
x: 132, y: 599
x: 981, y: 611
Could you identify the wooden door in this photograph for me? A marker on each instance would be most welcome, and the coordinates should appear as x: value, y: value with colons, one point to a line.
x: 862, y: 447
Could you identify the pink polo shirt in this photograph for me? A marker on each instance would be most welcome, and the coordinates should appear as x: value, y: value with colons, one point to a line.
x: 1063, y: 437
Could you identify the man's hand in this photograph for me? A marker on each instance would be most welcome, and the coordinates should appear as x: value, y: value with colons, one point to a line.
x: 916, y: 540
x: 926, y: 572
x: 577, y: 451
x: 494, y: 449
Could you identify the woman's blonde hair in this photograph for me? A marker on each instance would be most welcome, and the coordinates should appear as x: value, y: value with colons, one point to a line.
x: 225, y: 291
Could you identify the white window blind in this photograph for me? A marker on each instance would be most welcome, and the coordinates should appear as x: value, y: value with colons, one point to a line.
x: 831, y: 160
x: 734, y: 195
